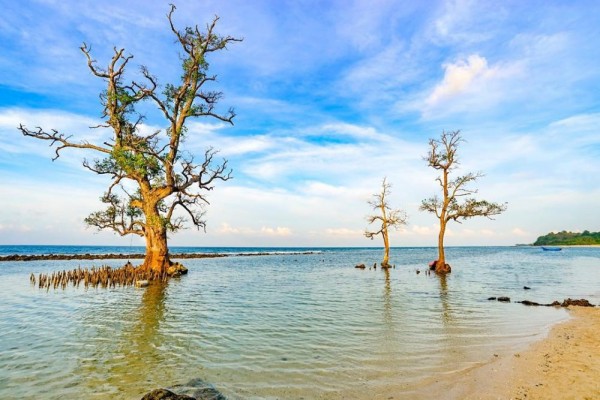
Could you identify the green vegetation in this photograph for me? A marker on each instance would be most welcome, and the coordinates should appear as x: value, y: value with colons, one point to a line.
x: 565, y: 238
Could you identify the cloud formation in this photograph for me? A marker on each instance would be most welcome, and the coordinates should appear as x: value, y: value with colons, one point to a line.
x: 330, y: 98
x: 459, y: 77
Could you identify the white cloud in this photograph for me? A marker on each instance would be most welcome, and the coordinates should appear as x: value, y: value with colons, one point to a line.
x: 344, y: 232
x: 520, y: 232
x: 227, y: 229
x: 459, y: 77
x: 278, y: 231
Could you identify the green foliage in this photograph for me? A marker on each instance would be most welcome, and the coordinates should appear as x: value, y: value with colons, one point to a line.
x: 135, y: 162
x: 565, y: 238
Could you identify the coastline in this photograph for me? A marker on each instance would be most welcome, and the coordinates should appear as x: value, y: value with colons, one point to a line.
x: 565, y: 364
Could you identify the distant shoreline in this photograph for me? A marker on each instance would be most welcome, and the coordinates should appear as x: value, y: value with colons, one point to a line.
x: 120, y: 256
x: 558, y: 245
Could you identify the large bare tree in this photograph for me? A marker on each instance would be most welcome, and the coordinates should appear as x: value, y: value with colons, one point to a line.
x: 164, y: 177
x: 387, y: 217
x: 455, y: 203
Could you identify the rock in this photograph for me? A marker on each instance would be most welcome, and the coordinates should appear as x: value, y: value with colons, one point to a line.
x: 555, y: 304
x: 491, y: 298
x: 580, y: 303
x: 526, y: 288
x: 195, y: 389
x: 504, y: 299
x: 164, y: 394
x: 529, y: 303
x: 360, y: 266
x: 199, y: 390
x: 176, y: 269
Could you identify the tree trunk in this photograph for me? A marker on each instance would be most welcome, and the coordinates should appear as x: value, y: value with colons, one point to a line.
x: 157, y: 251
x: 384, y: 233
x: 386, y: 252
x: 440, y: 266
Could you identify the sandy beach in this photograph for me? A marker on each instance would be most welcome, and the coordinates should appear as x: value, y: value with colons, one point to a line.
x: 565, y: 365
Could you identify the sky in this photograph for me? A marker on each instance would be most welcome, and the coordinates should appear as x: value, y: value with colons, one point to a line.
x: 331, y: 97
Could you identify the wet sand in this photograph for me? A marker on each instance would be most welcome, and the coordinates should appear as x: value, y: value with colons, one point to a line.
x: 565, y: 365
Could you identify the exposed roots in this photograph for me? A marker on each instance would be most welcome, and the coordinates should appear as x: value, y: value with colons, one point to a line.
x: 103, y: 276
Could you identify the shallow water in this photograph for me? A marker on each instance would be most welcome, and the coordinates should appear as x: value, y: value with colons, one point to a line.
x: 283, y: 326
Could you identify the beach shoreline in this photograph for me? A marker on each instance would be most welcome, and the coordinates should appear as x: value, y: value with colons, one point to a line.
x: 565, y: 364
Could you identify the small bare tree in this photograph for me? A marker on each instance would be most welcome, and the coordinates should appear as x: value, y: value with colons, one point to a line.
x: 165, y: 177
x: 442, y: 157
x: 388, y: 218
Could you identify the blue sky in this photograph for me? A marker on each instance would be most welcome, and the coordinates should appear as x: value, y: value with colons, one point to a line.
x: 331, y: 97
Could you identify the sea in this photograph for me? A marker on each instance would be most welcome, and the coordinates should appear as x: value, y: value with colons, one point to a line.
x: 290, y: 323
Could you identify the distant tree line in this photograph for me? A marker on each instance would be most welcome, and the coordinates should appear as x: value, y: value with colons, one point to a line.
x: 568, y: 238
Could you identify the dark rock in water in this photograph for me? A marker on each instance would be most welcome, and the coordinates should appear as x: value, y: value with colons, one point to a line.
x: 491, y: 298
x: 580, y: 303
x: 199, y: 390
x: 196, y: 389
x: 164, y: 394
x: 360, y: 266
x: 176, y: 270
x: 529, y: 303
x: 504, y: 299
x: 526, y: 287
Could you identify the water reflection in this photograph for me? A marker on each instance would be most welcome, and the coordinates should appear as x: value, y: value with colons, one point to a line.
x: 263, y: 327
x: 387, y: 304
x: 447, y: 318
x: 131, y: 350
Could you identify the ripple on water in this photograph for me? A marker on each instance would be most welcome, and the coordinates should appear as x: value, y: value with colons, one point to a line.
x: 282, y: 326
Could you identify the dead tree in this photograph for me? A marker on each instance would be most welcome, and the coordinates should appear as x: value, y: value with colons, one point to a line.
x: 455, y: 203
x: 387, y: 217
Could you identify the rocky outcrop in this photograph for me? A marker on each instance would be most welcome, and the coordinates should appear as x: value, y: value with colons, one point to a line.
x: 565, y: 303
x: 120, y: 256
x: 579, y: 303
x: 87, y: 256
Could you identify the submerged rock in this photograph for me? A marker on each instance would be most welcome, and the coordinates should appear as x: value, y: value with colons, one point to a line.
x: 531, y: 303
x: 195, y: 389
x: 360, y: 266
x: 504, y: 299
x: 199, y: 390
x: 164, y: 394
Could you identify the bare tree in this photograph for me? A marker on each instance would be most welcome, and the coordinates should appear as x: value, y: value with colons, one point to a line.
x: 164, y: 176
x: 388, y: 218
x: 455, y: 204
